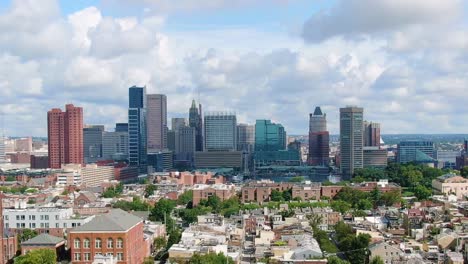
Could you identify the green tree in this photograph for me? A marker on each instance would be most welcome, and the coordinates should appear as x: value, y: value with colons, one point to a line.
x: 190, y: 215
x: 159, y: 243
x: 276, y: 196
x: 296, y: 179
x: 342, y: 230
x: 376, y: 260
x: 119, y: 188
x: 340, y: 206
x: 162, y: 210
x: 324, y: 241
x: 43, y: 256
x: 351, y: 195
x: 464, y: 172
x: 174, y: 238
x: 375, y: 196
x: 214, y: 202
x: 364, y: 205
x: 355, y: 247
x: 422, y: 193
x: 414, y: 177
x: 10, y: 178
x: 135, y: 205
x: 149, y: 190
x: 148, y: 260
x: 287, y: 195
x: 390, y: 198
x: 27, y: 234
x: 336, y: 260
x: 185, y: 198
x: 210, y: 258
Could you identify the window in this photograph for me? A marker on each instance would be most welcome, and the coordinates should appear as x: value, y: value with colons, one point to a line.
x: 119, y: 243
x: 77, y: 243
x: 23, y: 217
x: 119, y: 256
x: 64, y: 225
x: 6, y: 217
x: 46, y: 217
x: 87, y: 256
x: 56, y: 217
x: 34, y: 217
x: 86, y: 243
x: 110, y: 243
x: 57, y: 225
x: 17, y: 217
x: 98, y: 243
x: 77, y: 256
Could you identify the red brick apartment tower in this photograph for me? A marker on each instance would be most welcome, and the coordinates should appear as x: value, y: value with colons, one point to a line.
x: 65, y: 136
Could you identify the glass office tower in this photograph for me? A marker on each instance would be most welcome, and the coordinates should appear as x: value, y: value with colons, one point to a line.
x: 137, y: 138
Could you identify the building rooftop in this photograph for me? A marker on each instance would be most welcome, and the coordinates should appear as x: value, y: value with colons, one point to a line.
x: 115, y: 220
x: 43, y: 240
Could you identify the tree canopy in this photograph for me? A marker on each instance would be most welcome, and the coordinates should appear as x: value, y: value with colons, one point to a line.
x: 43, y: 256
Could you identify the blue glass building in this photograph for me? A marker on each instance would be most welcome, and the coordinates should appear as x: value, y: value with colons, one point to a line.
x: 137, y: 132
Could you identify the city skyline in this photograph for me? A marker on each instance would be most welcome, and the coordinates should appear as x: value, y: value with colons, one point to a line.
x: 247, y: 56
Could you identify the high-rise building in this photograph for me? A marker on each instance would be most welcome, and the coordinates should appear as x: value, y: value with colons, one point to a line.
x: 418, y: 151
x: 2, y: 149
x: 220, y: 131
x: 371, y: 134
x: 351, y: 140
x: 171, y: 140
x: 137, y: 131
x: 319, y: 139
x: 121, y: 127
x: 269, y: 136
x: 245, y: 137
x: 195, y: 120
x: 185, y: 140
x: 161, y: 161
x: 115, y: 145
x: 92, y: 143
x: 65, y: 136
x: 157, y: 122
x: 23, y: 144
x: 178, y: 122
x: 374, y: 156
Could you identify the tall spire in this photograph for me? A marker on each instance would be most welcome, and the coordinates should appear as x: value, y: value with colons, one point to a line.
x: 318, y: 111
x: 194, y: 105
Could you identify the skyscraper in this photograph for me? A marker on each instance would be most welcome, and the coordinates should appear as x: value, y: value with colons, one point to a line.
x: 351, y: 140
x: 319, y: 139
x: 220, y: 131
x: 92, y: 143
x: 65, y: 136
x: 245, y: 137
x: 195, y: 120
x: 2, y: 149
x: 115, y: 145
x: 137, y: 131
x: 371, y: 134
x: 157, y: 122
x: 185, y: 140
x: 178, y: 122
x: 269, y: 136
x: 121, y: 127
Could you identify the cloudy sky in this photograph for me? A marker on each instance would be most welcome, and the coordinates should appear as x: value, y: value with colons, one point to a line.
x: 405, y: 62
